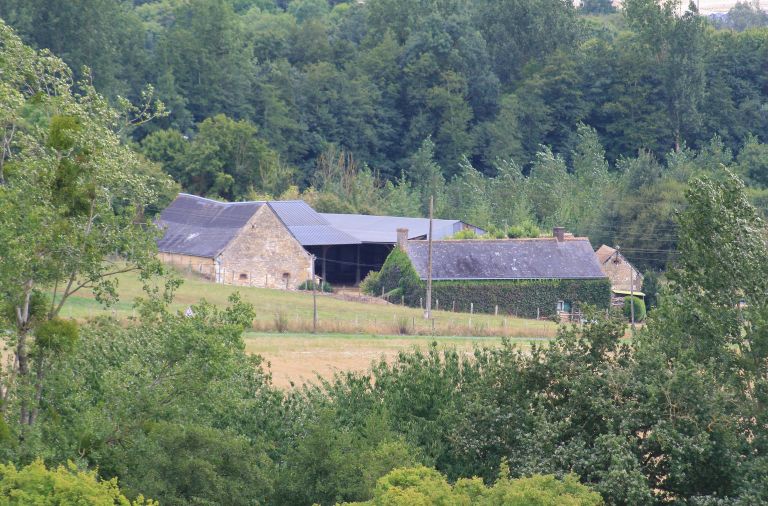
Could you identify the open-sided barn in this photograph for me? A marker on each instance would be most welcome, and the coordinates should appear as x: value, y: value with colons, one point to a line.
x: 271, y: 244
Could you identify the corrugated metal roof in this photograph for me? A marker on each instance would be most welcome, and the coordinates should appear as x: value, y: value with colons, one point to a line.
x: 507, y: 259
x: 383, y: 229
x: 308, y: 226
x: 202, y: 227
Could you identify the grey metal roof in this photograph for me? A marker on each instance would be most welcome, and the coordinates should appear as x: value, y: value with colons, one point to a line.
x: 202, y: 227
x: 544, y: 258
x: 383, y: 229
x: 308, y: 226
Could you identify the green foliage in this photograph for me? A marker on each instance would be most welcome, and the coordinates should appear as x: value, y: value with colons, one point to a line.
x: 57, y: 335
x: 183, y: 464
x: 34, y: 484
x: 421, y: 485
x: 639, y: 308
x: 651, y: 289
x: 466, y: 233
x: 525, y: 229
x: 322, y: 286
x: 398, y: 278
x: 331, y: 464
x: 521, y: 298
x: 371, y: 284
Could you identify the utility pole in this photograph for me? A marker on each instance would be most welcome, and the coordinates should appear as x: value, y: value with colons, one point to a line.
x: 314, y: 297
x: 632, y: 298
x: 428, y: 310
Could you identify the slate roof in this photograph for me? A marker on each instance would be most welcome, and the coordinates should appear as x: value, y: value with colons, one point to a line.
x: 383, y: 229
x: 543, y: 258
x: 203, y: 227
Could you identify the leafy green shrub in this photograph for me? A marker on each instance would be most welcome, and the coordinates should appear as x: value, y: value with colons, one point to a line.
x: 398, y: 278
x: 422, y: 485
x: 467, y: 233
x: 322, y: 286
x: 522, y: 298
x: 639, y: 308
x: 34, y: 484
x: 57, y: 335
x: 371, y: 285
x: 651, y: 287
x: 524, y: 229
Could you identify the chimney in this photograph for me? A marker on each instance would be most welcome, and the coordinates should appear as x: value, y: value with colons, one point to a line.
x: 402, y: 238
x: 559, y: 233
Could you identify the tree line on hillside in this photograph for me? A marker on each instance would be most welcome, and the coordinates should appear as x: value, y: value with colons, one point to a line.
x: 493, y: 106
x: 170, y: 405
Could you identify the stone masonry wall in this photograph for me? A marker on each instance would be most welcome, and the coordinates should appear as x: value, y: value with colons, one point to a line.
x: 265, y: 254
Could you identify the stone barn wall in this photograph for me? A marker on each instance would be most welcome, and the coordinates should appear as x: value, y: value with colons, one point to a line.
x: 264, y: 254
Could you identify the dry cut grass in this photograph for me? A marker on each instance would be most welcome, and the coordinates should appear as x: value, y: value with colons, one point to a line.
x: 298, y: 358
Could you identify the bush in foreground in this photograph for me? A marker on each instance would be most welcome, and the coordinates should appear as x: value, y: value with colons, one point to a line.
x: 422, y: 485
x: 34, y: 484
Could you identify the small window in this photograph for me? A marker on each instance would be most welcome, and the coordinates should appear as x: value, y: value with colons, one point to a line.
x: 286, y: 275
x: 244, y: 276
x: 560, y: 306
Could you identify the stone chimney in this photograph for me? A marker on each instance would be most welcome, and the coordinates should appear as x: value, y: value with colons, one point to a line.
x: 402, y: 238
x: 559, y: 233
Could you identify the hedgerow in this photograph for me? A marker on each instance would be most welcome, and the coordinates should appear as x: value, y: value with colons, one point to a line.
x: 521, y: 298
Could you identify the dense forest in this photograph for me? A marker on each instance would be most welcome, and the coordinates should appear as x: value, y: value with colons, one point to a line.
x: 493, y: 106
x: 168, y: 404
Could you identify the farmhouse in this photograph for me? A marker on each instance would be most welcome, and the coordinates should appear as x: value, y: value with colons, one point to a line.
x: 526, y: 277
x: 625, y: 279
x: 272, y: 244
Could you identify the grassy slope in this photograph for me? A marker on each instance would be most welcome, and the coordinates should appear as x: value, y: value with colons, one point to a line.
x: 336, y: 316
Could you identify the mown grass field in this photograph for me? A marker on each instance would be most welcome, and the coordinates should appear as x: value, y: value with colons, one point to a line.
x: 350, y: 334
x: 298, y: 358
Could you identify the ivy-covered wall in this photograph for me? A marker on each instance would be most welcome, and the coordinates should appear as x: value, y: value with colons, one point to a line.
x: 521, y: 298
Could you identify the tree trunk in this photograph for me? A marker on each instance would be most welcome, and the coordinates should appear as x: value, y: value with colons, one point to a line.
x: 22, y: 357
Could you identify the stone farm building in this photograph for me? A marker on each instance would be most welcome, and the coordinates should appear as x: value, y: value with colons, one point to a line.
x: 526, y: 277
x: 271, y: 244
x: 625, y: 279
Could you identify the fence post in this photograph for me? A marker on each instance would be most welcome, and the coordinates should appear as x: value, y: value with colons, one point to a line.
x: 496, y: 310
x: 437, y: 304
x: 421, y: 302
x: 471, y: 312
x: 413, y: 325
x: 402, y: 300
x: 538, y: 313
x: 454, y: 306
